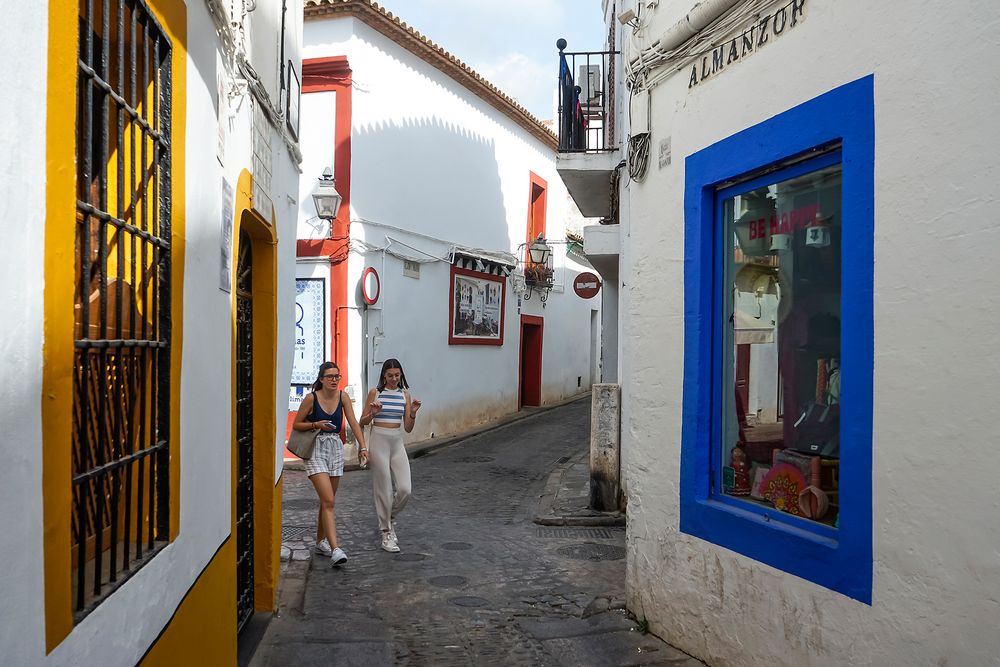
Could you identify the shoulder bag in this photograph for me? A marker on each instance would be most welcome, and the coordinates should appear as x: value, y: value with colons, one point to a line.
x: 302, y: 443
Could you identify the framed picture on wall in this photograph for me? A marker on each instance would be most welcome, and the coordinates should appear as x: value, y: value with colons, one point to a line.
x: 294, y: 97
x: 477, y: 307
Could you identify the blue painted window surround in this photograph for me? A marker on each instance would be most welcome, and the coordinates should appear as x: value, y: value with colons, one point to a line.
x: 838, y: 559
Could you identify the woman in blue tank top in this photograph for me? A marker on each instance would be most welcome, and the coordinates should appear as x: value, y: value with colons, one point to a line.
x: 325, y: 409
x: 387, y: 408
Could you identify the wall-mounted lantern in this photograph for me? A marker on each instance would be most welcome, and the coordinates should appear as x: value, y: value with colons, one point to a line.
x: 326, y: 198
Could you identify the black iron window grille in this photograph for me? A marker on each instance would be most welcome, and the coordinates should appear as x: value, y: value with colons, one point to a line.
x: 244, y: 433
x: 121, y: 374
x: 586, y: 100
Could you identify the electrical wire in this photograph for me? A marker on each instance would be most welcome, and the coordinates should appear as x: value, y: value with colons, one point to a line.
x: 654, y: 66
x: 497, y: 256
x: 638, y: 156
x: 236, y: 61
x: 612, y: 218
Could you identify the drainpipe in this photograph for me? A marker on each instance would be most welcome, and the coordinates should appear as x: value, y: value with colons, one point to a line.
x: 700, y: 16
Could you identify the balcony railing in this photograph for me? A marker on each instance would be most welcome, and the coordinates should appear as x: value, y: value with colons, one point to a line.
x: 586, y: 100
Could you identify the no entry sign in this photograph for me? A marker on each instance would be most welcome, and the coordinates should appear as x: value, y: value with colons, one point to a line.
x: 586, y: 285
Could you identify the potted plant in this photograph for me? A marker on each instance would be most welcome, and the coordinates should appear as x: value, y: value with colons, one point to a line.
x: 538, y: 274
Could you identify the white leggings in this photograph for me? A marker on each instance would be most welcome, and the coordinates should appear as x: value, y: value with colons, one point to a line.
x: 388, y: 461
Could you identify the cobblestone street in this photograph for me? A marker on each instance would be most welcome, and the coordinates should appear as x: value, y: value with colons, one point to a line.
x: 477, y: 582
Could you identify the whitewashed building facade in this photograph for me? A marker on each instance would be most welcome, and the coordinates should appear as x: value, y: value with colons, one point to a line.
x: 805, y: 337
x: 149, y: 184
x: 445, y: 180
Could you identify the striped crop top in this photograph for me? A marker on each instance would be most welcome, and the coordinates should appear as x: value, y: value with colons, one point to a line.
x: 393, y: 405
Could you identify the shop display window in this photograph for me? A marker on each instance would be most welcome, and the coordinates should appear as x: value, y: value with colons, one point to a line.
x: 780, y: 440
x: 776, y: 448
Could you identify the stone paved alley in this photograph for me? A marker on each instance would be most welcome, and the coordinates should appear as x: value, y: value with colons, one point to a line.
x: 477, y: 582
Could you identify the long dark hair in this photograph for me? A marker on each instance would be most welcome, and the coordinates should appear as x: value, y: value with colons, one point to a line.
x: 388, y: 365
x: 323, y: 367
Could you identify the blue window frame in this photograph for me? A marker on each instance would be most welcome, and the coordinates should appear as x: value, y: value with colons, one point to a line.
x: 834, y: 128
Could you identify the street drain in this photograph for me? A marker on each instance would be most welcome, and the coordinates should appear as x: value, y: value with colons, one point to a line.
x: 591, y: 551
x: 469, y: 601
x: 292, y: 532
x: 448, y: 581
x: 576, y: 533
x: 411, y: 557
x: 456, y: 546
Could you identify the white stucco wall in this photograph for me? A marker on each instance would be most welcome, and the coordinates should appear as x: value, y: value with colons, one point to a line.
x: 434, y: 165
x: 22, y: 211
x: 147, y: 601
x: 936, y: 514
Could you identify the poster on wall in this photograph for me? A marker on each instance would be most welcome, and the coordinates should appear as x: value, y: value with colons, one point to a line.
x: 310, y: 329
x: 477, y: 305
x: 226, y: 240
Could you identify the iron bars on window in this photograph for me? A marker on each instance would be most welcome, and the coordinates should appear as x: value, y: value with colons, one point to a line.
x: 121, y: 374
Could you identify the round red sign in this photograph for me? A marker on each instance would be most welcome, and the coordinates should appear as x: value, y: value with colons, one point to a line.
x: 371, y: 286
x: 586, y: 285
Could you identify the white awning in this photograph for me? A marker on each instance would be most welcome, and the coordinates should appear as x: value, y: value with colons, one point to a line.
x: 485, y: 261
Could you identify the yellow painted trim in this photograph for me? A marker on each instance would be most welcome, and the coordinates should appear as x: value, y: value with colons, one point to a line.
x: 173, y: 16
x: 203, y: 629
x: 57, y: 346
x: 59, y: 263
x: 267, y: 496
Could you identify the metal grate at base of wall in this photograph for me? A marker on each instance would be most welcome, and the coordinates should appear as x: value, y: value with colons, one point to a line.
x: 293, y: 532
x: 576, y: 533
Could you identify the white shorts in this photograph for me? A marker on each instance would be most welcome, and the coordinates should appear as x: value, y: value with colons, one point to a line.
x: 328, y: 456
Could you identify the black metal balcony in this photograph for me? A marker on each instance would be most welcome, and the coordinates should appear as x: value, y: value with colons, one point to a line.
x: 586, y: 102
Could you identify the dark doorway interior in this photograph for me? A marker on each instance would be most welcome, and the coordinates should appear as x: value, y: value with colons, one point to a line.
x: 531, y: 361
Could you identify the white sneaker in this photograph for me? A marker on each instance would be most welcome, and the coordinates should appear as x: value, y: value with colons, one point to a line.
x: 323, y: 547
x: 389, y: 542
x: 392, y: 533
x: 338, y: 557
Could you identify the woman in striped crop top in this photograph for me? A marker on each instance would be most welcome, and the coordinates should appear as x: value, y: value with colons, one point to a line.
x: 387, y: 408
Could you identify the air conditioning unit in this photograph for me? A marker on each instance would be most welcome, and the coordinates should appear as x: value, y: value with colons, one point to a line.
x: 589, y: 80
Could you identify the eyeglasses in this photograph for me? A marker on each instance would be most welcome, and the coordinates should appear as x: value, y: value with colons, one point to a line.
x: 330, y: 377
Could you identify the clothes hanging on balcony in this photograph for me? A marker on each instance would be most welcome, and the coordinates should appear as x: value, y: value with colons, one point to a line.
x: 572, y: 124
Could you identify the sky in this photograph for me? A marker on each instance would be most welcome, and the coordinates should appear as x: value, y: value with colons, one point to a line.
x: 510, y: 42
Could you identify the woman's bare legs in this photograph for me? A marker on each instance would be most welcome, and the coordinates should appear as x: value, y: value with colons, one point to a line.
x: 326, y: 489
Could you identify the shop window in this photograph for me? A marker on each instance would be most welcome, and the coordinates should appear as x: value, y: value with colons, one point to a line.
x: 781, y: 268
x: 776, y: 447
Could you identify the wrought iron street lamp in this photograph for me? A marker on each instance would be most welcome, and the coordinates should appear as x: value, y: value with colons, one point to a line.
x: 536, y: 274
x: 326, y: 198
x: 540, y: 251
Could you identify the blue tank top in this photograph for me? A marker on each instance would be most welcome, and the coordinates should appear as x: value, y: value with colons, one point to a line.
x: 319, y: 414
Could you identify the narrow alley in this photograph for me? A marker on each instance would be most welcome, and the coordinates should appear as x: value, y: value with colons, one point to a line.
x: 477, y: 582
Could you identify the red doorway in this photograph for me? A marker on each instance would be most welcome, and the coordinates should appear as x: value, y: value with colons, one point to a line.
x: 530, y: 376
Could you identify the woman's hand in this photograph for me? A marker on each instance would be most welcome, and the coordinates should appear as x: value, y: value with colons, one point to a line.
x: 375, y: 407
x: 414, y: 406
x: 325, y: 425
x: 363, y: 457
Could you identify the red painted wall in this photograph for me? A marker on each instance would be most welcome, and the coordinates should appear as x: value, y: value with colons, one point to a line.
x: 321, y: 75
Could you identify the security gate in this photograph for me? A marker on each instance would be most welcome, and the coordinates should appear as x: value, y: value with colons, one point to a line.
x: 244, y: 434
